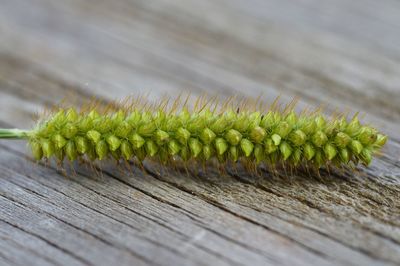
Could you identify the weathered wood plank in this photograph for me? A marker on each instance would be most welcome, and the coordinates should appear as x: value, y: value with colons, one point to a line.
x: 29, y: 246
x: 344, y: 54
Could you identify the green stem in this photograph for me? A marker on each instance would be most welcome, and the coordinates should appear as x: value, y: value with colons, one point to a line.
x: 13, y: 133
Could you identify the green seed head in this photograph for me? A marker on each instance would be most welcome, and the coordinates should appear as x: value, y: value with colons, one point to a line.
x: 380, y: 140
x: 207, y: 136
x: 234, y: 153
x: 269, y: 120
x: 257, y: 134
x: 367, y: 136
x: 308, y: 127
x: 207, y: 152
x: 320, y: 121
x: 126, y: 150
x: 137, y: 141
x: 184, y: 153
x: 342, y: 139
x: 36, y: 150
x: 270, y: 146
x: 123, y: 129
x: 330, y: 151
x: 71, y: 115
x: 195, y: 147
x: 81, y: 144
x: 233, y: 136
x: 318, y: 159
x: 271, y: 138
x: 221, y: 146
x: 113, y: 142
x: 366, y: 157
x: 161, y: 137
x: 283, y: 129
x: 353, y: 127
x: 59, y: 141
x: 242, y: 122
x: 147, y: 129
x: 291, y: 118
x: 319, y: 139
x: 286, y: 150
x: 259, y: 153
x: 344, y: 155
x: 69, y: 130
x: 276, y: 139
x: 221, y: 124
x: 47, y: 147
x: 296, y: 157
x: 91, y: 153
x: 356, y: 147
x: 70, y: 150
x: 93, y: 135
x: 182, y: 135
x: 246, y: 146
x: 309, y: 151
x: 174, y: 147
x: 101, y: 149
x: 151, y: 148
x: 298, y: 137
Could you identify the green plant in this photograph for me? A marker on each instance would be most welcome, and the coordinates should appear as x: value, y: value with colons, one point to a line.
x: 227, y: 133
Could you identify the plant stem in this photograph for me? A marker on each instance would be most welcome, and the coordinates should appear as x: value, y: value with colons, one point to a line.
x: 13, y: 133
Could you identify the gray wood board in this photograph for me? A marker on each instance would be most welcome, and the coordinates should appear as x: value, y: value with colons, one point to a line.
x: 343, y: 55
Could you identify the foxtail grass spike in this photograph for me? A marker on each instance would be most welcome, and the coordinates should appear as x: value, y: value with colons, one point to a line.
x: 228, y: 134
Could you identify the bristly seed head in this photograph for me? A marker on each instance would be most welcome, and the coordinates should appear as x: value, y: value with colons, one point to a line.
x: 269, y: 137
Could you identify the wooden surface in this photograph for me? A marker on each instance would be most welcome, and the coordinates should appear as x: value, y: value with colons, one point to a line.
x: 341, y: 54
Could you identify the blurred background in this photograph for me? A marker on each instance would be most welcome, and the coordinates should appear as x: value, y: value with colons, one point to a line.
x: 344, y: 54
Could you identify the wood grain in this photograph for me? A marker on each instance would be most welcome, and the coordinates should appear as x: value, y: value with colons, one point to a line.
x: 341, y: 54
